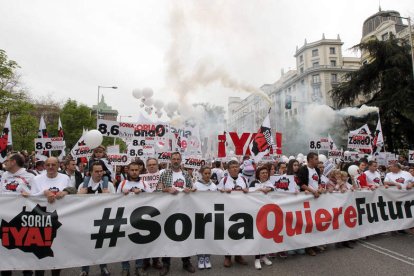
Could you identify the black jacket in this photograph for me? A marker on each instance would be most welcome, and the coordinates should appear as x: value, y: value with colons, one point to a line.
x: 303, y: 175
x: 78, y: 178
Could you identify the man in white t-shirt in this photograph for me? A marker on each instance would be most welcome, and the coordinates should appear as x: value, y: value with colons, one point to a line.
x: 16, y: 180
x: 233, y: 182
x: 173, y: 181
x: 52, y: 184
x: 309, y: 175
x: 399, y: 178
x: 95, y: 187
x: 372, y: 174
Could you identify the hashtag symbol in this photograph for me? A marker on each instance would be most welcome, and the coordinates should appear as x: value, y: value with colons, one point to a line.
x: 103, y: 225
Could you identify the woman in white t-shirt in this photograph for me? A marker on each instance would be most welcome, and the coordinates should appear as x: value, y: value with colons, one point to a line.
x: 204, y: 184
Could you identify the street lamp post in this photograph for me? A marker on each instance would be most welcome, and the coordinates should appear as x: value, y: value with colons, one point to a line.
x: 97, y: 106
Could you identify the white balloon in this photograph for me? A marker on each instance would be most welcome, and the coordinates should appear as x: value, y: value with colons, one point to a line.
x: 285, y: 159
x: 149, y: 101
x: 353, y: 170
x: 301, y: 155
x: 291, y: 157
x: 171, y: 107
x: 93, y: 138
x: 137, y: 93
x: 158, y: 104
x: 300, y: 159
x: 231, y: 152
x: 346, y: 152
x: 142, y: 105
x: 147, y: 92
x: 322, y: 158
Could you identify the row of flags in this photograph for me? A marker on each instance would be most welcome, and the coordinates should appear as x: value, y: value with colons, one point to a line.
x: 6, y: 137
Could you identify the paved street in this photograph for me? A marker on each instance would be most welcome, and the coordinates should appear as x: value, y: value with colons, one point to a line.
x: 388, y: 254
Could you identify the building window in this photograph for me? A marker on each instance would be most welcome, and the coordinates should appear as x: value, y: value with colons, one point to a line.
x: 333, y: 63
x: 301, y: 70
x: 316, y: 94
x: 295, y: 111
x: 315, y: 53
x: 302, y: 81
x: 301, y: 58
x: 385, y: 36
x: 332, y: 50
x: 316, y: 79
x: 315, y: 64
x: 334, y: 77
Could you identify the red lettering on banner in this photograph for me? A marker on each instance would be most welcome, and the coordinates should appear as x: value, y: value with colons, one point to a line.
x: 322, y: 219
x: 33, y: 237
x: 290, y: 231
x: 336, y: 213
x: 350, y: 217
x: 261, y: 222
x: 308, y: 217
x: 18, y: 235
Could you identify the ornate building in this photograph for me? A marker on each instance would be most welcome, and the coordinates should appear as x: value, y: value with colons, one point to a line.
x: 320, y: 67
x: 105, y: 111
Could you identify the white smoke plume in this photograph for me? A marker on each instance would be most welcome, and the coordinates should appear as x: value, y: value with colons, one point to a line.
x: 185, y: 79
x: 363, y: 111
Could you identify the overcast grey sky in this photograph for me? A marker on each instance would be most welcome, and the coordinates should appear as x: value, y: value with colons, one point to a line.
x: 68, y: 48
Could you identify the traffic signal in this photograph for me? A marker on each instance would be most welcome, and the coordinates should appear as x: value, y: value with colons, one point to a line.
x: 288, y: 102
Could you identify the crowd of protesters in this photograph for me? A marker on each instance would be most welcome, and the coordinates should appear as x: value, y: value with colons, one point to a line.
x: 21, y: 174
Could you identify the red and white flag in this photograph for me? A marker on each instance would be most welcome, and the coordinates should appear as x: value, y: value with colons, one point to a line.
x: 263, y: 141
x: 60, y: 129
x: 332, y: 145
x: 61, y: 133
x: 378, y: 141
x: 42, y: 133
x: 5, y: 139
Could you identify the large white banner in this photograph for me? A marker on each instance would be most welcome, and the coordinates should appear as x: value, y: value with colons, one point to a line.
x: 90, y: 229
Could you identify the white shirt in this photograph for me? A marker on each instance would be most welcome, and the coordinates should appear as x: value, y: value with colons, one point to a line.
x: 128, y: 185
x: 72, y: 179
x: 200, y: 186
x: 178, y: 180
x: 219, y: 172
x: 15, y: 183
x: 95, y: 185
x: 57, y: 184
x: 313, y: 179
x: 373, y: 178
x: 403, y: 178
x: 255, y: 185
x: 228, y: 183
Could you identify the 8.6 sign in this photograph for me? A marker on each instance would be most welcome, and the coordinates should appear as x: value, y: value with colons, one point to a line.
x: 108, y: 128
x: 319, y: 144
x: 46, y: 144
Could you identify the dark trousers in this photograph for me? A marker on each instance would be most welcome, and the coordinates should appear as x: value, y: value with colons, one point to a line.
x: 167, y: 260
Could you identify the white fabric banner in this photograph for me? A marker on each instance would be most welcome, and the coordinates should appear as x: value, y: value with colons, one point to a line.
x: 94, y: 229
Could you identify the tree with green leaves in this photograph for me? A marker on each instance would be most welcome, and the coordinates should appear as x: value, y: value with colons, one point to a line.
x: 75, y: 117
x: 386, y: 81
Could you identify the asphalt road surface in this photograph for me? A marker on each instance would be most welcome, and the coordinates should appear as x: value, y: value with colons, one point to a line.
x: 384, y: 254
